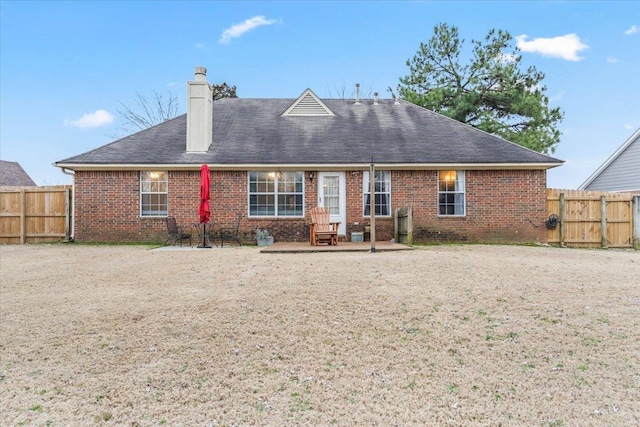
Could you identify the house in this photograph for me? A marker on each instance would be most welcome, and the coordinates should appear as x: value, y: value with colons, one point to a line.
x: 620, y: 173
x: 271, y: 160
x: 12, y: 175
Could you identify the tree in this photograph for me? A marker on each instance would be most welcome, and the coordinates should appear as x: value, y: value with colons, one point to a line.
x: 223, y: 91
x: 150, y: 111
x: 490, y: 92
x: 147, y: 111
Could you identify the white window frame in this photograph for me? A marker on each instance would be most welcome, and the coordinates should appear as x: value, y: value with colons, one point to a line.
x: 277, y: 191
x: 452, y: 198
x: 383, y: 189
x: 154, y: 184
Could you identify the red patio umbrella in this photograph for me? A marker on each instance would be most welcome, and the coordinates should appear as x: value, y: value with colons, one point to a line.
x: 204, y: 211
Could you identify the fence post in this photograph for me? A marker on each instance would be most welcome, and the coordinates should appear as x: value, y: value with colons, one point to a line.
x: 561, y: 220
x: 603, y: 221
x: 396, y: 235
x: 410, y: 225
x: 636, y: 222
x: 23, y: 213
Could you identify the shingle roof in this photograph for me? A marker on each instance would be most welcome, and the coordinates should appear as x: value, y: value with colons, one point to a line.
x: 253, y: 132
x: 12, y: 175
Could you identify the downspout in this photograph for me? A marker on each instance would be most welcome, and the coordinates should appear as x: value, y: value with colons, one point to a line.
x: 70, y: 226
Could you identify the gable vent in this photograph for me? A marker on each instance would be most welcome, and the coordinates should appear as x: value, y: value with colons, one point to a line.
x: 308, y: 104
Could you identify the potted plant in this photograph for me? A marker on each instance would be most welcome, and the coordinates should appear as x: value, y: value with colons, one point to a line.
x: 263, y: 237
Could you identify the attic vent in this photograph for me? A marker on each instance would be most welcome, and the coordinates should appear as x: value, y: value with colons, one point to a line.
x: 308, y: 104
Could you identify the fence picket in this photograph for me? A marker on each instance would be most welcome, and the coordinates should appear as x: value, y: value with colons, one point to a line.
x: 591, y: 218
x: 35, y: 214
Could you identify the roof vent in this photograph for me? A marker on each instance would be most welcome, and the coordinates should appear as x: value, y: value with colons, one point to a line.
x: 308, y: 104
x: 375, y: 98
x: 397, y: 101
x: 357, y: 93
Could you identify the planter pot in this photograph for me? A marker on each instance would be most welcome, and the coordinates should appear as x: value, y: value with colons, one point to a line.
x: 265, y: 242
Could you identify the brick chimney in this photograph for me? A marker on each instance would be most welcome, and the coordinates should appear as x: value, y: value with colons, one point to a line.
x: 199, y: 113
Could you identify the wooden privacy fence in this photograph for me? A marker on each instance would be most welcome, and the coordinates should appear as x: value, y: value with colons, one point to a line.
x: 35, y: 214
x: 593, y: 219
x: 404, y: 225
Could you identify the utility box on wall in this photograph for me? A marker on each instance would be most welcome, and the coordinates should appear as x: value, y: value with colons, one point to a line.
x: 357, y: 236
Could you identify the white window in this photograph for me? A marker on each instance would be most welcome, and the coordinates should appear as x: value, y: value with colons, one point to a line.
x: 154, y: 193
x: 451, y: 200
x: 276, y: 194
x: 383, y: 194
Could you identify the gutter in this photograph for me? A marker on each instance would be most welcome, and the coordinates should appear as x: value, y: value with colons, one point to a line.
x: 310, y: 166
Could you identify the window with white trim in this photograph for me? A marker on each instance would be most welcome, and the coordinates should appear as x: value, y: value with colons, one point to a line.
x: 382, y: 194
x: 278, y: 194
x: 154, y: 193
x: 451, y: 193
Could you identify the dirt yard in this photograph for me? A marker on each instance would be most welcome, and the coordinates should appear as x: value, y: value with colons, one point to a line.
x: 442, y: 336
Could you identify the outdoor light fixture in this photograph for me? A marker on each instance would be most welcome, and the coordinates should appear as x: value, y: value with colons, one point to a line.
x: 311, y: 176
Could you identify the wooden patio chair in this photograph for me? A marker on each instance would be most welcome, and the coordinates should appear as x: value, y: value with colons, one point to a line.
x: 176, y: 233
x: 321, y: 229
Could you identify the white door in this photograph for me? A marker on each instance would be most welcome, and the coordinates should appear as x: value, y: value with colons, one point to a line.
x: 331, y: 194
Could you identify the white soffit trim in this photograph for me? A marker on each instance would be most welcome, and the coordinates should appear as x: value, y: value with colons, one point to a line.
x: 308, y: 166
x: 308, y: 104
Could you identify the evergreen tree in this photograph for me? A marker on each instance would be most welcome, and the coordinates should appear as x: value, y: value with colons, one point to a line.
x: 490, y: 92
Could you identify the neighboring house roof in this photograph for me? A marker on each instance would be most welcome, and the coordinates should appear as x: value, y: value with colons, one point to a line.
x: 332, y: 132
x: 621, y: 171
x: 12, y: 175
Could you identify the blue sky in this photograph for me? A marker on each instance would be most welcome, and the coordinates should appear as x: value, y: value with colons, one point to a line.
x: 65, y: 67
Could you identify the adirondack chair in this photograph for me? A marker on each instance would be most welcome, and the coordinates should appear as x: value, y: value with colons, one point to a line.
x: 322, y: 230
x: 175, y: 232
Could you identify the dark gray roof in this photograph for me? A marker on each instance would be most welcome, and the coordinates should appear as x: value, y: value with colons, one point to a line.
x: 252, y: 131
x: 12, y: 175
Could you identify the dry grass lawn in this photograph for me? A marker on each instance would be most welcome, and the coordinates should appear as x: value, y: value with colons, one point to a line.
x: 442, y: 335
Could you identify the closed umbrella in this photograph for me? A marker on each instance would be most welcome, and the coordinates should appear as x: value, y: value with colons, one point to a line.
x: 204, y: 211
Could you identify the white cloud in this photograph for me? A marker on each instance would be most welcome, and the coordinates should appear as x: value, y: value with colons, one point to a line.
x: 237, y: 30
x: 91, y: 120
x: 565, y: 47
x: 199, y: 45
x: 612, y: 60
x: 557, y: 97
x: 507, y: 58
x: 632, y: 30
x: 628, y: 127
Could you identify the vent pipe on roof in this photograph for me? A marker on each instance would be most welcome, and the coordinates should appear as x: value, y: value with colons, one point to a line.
x: 397, y: 102
x: 375, y: 98
x: 357, y: 93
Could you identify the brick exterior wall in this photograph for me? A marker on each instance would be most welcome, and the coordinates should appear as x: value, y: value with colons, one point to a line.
x: 501, y: 206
